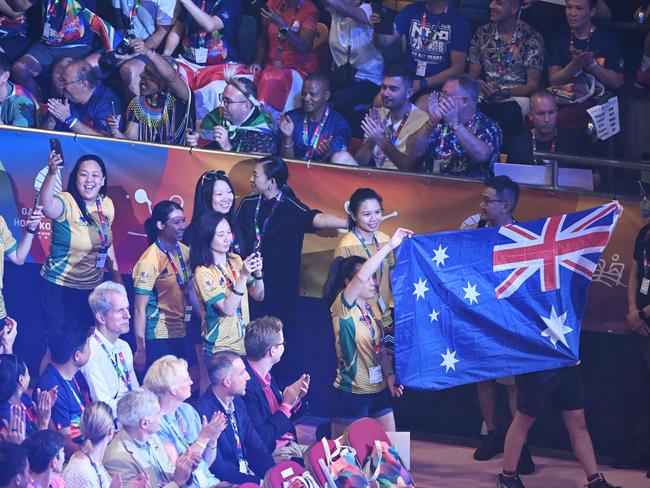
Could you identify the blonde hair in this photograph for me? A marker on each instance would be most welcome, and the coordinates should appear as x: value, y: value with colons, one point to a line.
x: 164, y: 374
x: 96, y: 423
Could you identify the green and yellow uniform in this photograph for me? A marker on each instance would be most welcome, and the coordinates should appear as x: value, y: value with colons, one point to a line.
x: 359, y: 343
x: 8, y: 244
x: 76, y: 244
x: 352, y: 244
x: 214, y: 283
x: 155, y: 276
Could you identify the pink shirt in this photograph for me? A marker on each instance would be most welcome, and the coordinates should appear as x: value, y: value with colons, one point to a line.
x: 275, y: 406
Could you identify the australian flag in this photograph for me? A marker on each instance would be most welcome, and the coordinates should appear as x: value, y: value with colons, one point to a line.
x: 479, y: 304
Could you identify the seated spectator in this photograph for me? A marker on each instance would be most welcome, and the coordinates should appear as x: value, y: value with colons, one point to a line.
x: 270, y: 409
x: 109, y: 371
x: 437, y: 38
x: 17, y: 106
x: 14, y: 466
x: 357, y: 62
x: 45, y: 455
x: 387, y: 129
x: 314, y: 132
x: 14, y: 38
x: 583, y: 48
x: 70, y: 351
x: 181, y: 429
x: 86, y: 103
x: 137, y: 449
x: 207, y: 31
x: 285, y: 51
x: 164, y: 108
x: 85, y: 469
x: 242, y: 456
x: 239, y: 124
x: 16, y: 407
x: 57, y: 86
x: 458, y: 140
x: 65, y: 33
x: 149, y: 20
x: 507, y: 57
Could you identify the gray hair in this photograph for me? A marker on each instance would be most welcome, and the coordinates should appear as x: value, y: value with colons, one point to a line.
x: 469, y: 86
x: 164, y: 374
x: 135, y: 406
x: 100, y: 298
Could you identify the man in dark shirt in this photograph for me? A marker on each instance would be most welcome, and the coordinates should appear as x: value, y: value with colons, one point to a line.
x: 314, y: 132
x: 241, y: 454
x: 86, y: 105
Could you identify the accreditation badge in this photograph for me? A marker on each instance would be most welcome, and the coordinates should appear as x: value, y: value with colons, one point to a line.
x: 200, y: 55
x: 101, y: 258
x: 188, y: 314
x: 421, y: 69
x: 645, y: 285
x: 374, y: 374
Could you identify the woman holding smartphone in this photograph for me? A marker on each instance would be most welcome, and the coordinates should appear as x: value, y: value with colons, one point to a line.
x: 81, y: 246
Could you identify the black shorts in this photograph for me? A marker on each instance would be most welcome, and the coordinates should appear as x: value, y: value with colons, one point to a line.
x: 562, y: 386
x: 47, y: 55
x: 348, y: 407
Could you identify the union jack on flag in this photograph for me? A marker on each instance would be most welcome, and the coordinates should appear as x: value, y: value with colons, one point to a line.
x: 479, y: 304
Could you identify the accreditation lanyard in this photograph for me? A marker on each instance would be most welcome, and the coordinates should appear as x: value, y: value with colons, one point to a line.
x: 312, y: 142
x: 504, y: 61
x: 235, y: 430
x: 181, y: 280
x: 572, y: 36
x: 202, y: 33
x: 133, y: 13
x: 553, y: 145
x: 163, y: 475
x: 369, y: 318
x: 362, y: 240
x: 282, y: 37
x: 179, y: 430
x: 261, y: 232
x: 76, y: 393
x: 436, y: 27
x: 51, y: 10
x: 230, y: 284
x: 94, y: 465
x: 103, y: 231
x: 392, y: 134
x: 122, y: 374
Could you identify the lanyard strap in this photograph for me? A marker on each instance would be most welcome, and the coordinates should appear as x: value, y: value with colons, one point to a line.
x: 123, y: 374
x: 502, y: 61
x: 235, y: 430
x: 103, y: 231
x: 282, y: 37
x: 436, y: 27
x: 312, y: 142
x: 179, y: 430
x: 553, y: 146
x: 368, y: 318
x: 163, y: 475
x: 133, y: 12
x: 77, y: 397
x: 51, y: 9
x: 592, y: 29
x: 94, y: 465
x: 181, y: 280
x: 260, y: 233
x: 230, y: 284
x: 362, y: 240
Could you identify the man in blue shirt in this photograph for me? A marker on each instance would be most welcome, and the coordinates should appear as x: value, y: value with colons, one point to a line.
x: 437, y: 41
x: 87, y: 103
x: 314, y: 132
x: 70, y: 351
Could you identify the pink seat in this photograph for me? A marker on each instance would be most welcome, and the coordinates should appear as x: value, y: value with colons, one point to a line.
x: 361, y: 436
x: 313, y: 454
x: 281, y: 472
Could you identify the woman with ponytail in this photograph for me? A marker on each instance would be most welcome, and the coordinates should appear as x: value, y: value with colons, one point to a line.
x: 364, y: 369
x: 365, y: 239
x: 161, y: 279
x: 274, y: 221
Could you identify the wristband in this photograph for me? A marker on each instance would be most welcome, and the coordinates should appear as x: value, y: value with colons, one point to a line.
x: 32, y: 231
x: 238, y: 293
x: 71, y: 121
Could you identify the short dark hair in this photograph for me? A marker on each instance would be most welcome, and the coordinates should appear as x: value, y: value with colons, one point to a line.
x: 13, y: 461
x: 399, y: 71
x: 319, y: 76
x: 261, y: 334
x: 359, y: 196
x: 219, y: 363
x: 70, y: 338
x: 159, y: 213
x: 505, y: 188
x: 202, y: 235
x: 42, y: 447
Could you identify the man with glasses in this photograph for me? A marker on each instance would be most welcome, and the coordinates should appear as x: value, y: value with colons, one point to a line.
x: 458, y: 140
x: 86, y: 102
x: 239, y: 124
x: 269, y: 408
x: 498, y: 202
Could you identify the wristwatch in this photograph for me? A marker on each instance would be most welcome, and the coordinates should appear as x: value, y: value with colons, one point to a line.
x: 284, y: 29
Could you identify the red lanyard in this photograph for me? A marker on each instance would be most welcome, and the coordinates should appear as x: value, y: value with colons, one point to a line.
x: 103, y: 232
x: 535, y: 141
x: 392, y: 134
x: 437, y: 26
x: 368, y: 320
x: 312, y: 142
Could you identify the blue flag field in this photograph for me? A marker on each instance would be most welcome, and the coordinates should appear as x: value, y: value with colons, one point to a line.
x: 479, y: 304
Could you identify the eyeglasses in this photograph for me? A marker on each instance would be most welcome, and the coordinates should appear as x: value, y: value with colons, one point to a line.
x: 212, y: 175
x: 66, y: 83
x: 284, y: 343
x: 488, y: 201
x: 225, y: 101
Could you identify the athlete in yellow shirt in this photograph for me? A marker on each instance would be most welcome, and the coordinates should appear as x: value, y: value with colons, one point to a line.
x: 223, y: 282
x: 81, y: 243
x: 162, y: 280
x: 363, y: 370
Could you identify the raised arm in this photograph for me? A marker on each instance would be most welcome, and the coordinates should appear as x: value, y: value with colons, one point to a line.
x: 52, y: 206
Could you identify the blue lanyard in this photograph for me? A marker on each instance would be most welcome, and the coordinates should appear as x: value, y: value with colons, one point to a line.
x: 365, y: 247
x: 259, y: 233
x: 181, y: 280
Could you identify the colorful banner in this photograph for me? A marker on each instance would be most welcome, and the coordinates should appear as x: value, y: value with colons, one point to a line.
x: 139, y: 175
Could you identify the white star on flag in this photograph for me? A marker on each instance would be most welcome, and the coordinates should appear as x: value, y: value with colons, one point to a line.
x: 434, y: 315
x: 556, y: 329
x: 449, y: 360
x: 440, y: 255
x: 420, y: 289
x: 470, y: 293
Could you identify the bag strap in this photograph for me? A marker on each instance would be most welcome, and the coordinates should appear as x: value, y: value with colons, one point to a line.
x: 328, y: 476
x: 379, y: 455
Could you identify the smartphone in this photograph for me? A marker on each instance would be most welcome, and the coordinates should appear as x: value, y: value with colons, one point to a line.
x: 55, y: 145
x: 113, y: 108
